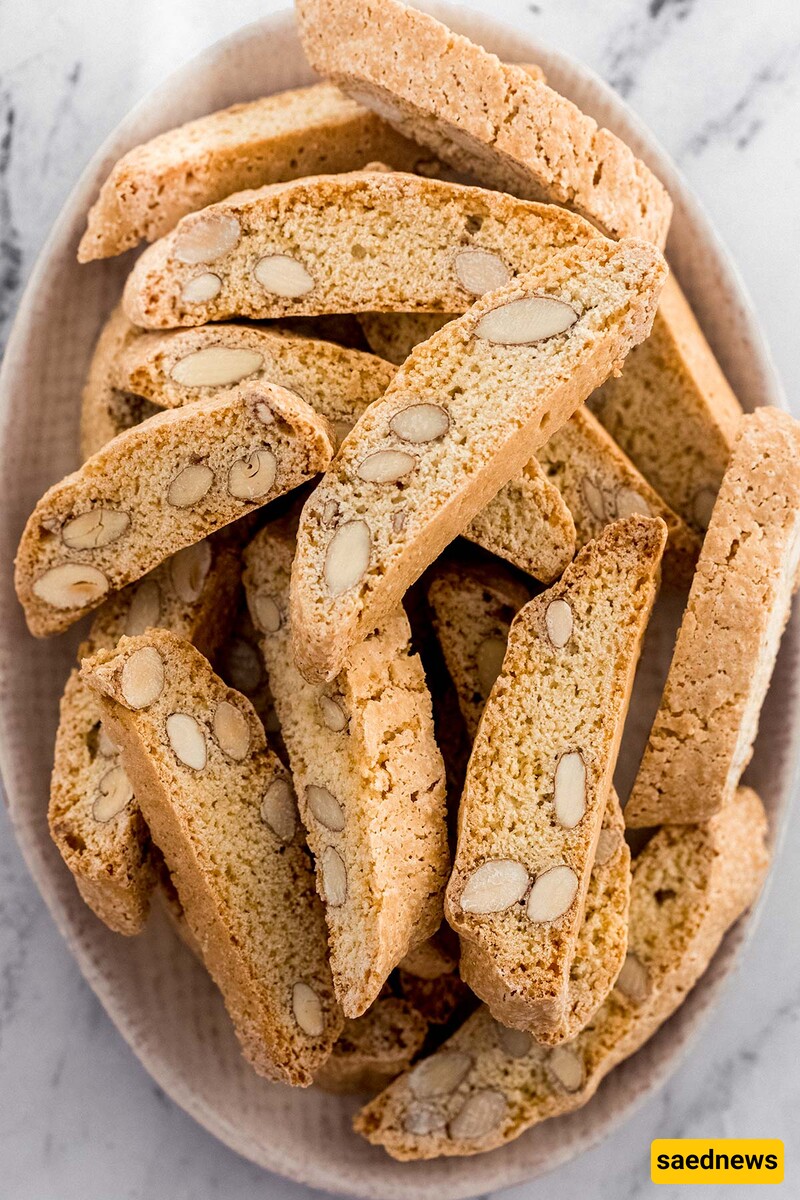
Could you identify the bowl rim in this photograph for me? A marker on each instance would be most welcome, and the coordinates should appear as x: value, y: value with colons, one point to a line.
x: 469, y: 1181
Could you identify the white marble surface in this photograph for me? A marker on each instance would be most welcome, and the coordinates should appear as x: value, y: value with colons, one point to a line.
x: 719, y: 83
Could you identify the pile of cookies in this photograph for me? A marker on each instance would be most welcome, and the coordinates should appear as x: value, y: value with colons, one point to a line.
x: 396, y: 429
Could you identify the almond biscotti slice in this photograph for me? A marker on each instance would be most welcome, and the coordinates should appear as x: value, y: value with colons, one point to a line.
x: 221, y: 809
x: 155, y: 371
x: 158, y: 488
x: 460, y: 419
x: 369, y: 779
x: 673, y: 381
x: 393, y: 335
x: 374, y: 1049
x: 275, y: 138
x: 739, y: 603
x: 94, y: 819
x: 540, y: 774
x: 480, y: 115
x: 370, y: 240
x: 488, y: 1084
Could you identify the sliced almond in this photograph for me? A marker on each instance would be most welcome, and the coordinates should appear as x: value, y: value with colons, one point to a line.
x: 569, y: 794
x: 495, y: 886
x: 386, y: 466
x: 279, y: 810
x: 634, y: 979
x: 188, y: 570
x: 142, y: 678
x: 70, y: 585
x: 252, y: 476
x: 206, y: 236
x: 480, y: 271
x: 114, y: 793
x: 703, y: 506
x: 630, y: 504
x: 217, y: 366
x: 608, y: 844
x: 440, y: 1074
x: 552, y: 894
x: 594, y: 498
x: 307, y: 1009
x: 232, y: 730
x: 325, y: 808
x: 526, y: 321
x: 558, y: 622
x: 481, y: 1113
x: 201, y: 288
x: 334, y: 877
x: 190, y: 485
x: 283, y: 276
x: 330, y: 512
x: 489, y: 661
x: 95, y: 528
x: 420, y: 423
x: 347, y: 556
x: 517, y: 1043
x: 267, y: 613
x: 333, y: 715
x: 422, y: 1119
x: 145, y: 608
x: 187, y: 740
x: 566, y: 1067
x: 399, y: 518
x: 105, y: 746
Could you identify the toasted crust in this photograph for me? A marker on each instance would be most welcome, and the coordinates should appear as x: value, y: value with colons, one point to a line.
x: 367, y: 742
x: 739, y: 603
x: 110, y: 858
x: 248, y: 895
x: 498, y: 402
x: 269, y: 140
x: 256, y: 432
x: 689, y: 885
x: 559, y: 699
x: 480, y: 115
x: 365, y: 241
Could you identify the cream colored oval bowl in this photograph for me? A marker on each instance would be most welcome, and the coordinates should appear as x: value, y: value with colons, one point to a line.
x: 153, y: 990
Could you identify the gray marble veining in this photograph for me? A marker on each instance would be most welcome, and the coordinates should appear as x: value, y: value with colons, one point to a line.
x: 720, y: 86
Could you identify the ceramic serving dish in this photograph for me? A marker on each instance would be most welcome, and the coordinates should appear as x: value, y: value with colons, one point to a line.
x: 157, y: 995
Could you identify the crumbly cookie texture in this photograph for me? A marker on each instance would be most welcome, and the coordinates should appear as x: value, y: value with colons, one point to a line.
x: 155, y: 371
x: 344, y: 243
x: 488, y: 1084
x: 94, y: 819
x: 472, y: 611
x: 739, y: 603
x: 393, y: 335
x: 369, y: 780
x: 105, y: 409
x: 221, y: 809
x: 482, y: 116
x: 269, y: 140
x: 374, y: 1049
x: 528, y: 834
x: 159, y: 488
x: 460, y: 419
x: 673, y: 382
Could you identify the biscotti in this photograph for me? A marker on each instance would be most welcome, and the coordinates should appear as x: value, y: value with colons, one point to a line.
x: 488, y: 1084
x: 94, y: 819
x: 369, y: 780
x: 105, y: 410
x: 673, y: 382
x: 155, y: 371
x: 460, y: 419
x: 528, y: 836
x: 344, y: 243
x: 481, y: 116
x: 738, y: 605
x: 160, y: 487
x: 221, y: 809
x: 269, y: 140
x: 375, y: 1048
